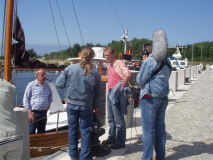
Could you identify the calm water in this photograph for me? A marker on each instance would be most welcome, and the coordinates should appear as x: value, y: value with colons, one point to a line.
x: 22, y: 78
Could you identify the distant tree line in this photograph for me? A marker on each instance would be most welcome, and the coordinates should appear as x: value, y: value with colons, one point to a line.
x: 206, y: 48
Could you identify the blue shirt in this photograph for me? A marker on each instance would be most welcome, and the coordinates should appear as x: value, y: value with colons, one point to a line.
x: 37, y: 97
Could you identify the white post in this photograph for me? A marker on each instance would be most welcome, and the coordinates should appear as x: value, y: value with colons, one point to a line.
x: 181, y: 76
x: 207, y: 67
x: 22, y: 115
x: 173, y: 81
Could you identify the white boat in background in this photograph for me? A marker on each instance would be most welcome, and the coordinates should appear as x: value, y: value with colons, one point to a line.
x: 211, y: 67
x: 176, y: 61
x: 99, y: 62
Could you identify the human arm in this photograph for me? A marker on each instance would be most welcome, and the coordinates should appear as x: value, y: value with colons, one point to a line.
x: 50, y: 98
x: 123, y: 71
x: 61, y: 80
x: 144, y: 57
x: 144, y: 74
x: 127, y: 76
x: 48, y: 107
x: 26, y: 102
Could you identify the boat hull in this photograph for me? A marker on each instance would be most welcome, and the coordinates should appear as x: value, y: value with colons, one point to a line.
x: 53, y: 139
x: 48, y: 140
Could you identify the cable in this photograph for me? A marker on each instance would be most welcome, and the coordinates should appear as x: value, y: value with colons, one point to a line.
x: 172, y: 93
x: 64, y: 28
x: 3, y: 29
x: 135, y: 125
x: 77, y: 22
x: 116, y: 16
x: 55, y: 25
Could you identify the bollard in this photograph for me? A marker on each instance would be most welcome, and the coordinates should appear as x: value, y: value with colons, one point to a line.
x: 207, y: 67
x: 181, y: 76
x: 173, y: 81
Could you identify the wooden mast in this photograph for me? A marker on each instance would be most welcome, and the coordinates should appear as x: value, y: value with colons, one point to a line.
x: 8, y: 41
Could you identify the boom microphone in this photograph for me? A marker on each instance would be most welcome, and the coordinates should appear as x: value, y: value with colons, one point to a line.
x: 159, y: 46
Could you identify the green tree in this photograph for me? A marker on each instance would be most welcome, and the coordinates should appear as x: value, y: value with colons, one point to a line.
x: 32, y: 53
x: 76, y: 49
x: 117, y: 46
x: 137, y: 45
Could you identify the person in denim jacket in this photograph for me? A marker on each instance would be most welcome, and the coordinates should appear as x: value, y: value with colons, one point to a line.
x: 83, y: 94
x: 153, y: 102
x: 118, y: 74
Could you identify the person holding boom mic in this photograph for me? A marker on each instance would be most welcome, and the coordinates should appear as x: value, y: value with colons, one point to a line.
x: 146, y: 51
x: 153, y: 78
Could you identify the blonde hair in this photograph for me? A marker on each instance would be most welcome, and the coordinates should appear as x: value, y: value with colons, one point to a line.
x: 87, y: 55
x: 110, y: 50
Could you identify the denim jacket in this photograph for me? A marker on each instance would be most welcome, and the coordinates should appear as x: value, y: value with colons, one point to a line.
x: 81, y: 89
x: 156, y: 85
x: 120, y: 94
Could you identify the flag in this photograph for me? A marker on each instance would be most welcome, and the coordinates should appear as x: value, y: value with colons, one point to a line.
x: 18, y: 32
x: 19, y: 51
x: 128, y: 52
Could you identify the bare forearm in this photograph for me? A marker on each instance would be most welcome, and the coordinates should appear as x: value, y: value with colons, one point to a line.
x: 126, y: 79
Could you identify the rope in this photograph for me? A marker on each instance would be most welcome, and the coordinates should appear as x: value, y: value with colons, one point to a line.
x: 3, y: 29
x: 135, y: 123
x: 64, y: 27
x: 116, y: 16
x: 50, y: 147
x: 55, y: 25
x: 77, y: 22
x: 51, y: 113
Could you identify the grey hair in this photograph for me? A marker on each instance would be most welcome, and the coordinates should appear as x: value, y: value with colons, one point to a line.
x: 159, y: 47
x: 37, y: 71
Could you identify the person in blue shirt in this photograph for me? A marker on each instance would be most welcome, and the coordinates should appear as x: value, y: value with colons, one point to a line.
x: 37, y: 99
x: 83, y: 94
x: 153, y: 103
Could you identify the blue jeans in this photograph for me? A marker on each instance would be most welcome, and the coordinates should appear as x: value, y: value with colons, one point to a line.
x: 153, y: 125
x: 117, y: 131
x: 39, y: 125
x: 85, y: 117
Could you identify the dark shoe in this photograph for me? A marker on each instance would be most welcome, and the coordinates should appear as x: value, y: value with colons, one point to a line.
x: 106, y: 142
x: 115, y: 146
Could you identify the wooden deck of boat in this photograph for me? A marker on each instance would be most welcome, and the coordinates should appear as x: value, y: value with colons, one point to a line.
x: 33, y: 69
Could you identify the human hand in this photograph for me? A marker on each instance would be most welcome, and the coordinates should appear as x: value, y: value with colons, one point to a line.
x: 31, y: 116
x: 145, y: 57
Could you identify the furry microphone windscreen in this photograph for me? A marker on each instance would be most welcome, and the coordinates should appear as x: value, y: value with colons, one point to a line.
x: 159, y: 46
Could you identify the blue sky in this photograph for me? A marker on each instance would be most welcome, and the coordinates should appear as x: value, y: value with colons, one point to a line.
x: 187, y: 21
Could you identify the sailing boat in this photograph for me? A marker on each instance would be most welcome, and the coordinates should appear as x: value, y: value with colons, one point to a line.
x: 56, y: 137
x: 40, y: 144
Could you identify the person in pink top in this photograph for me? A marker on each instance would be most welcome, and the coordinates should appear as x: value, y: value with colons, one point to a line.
x: 118, y: 75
